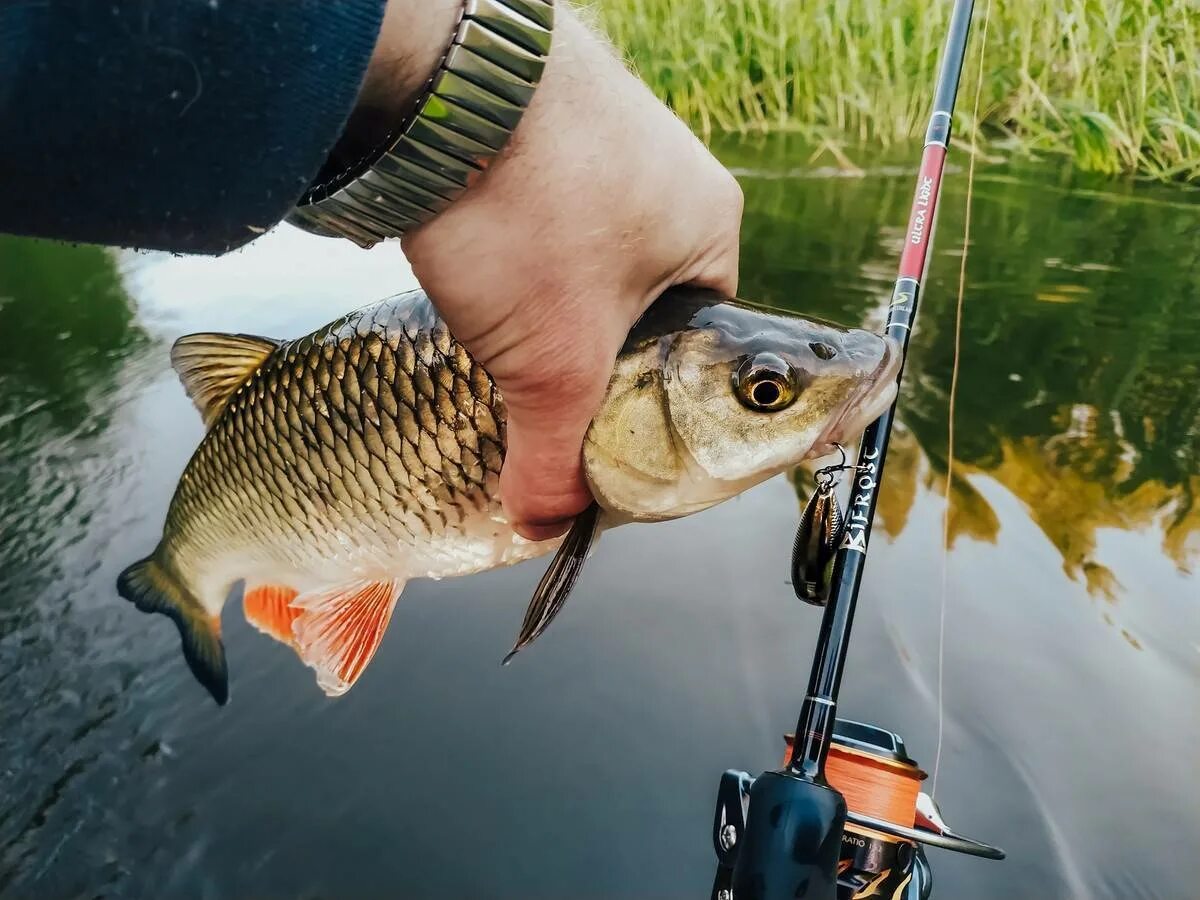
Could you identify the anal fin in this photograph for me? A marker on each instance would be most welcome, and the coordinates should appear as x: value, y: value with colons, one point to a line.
x: 266, y: 607
x: 337, y: 630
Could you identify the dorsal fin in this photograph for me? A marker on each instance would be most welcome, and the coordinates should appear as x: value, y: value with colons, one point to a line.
x: 212, y: 366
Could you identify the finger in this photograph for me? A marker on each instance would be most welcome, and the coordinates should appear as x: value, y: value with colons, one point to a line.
x: 542, y: 485
x: 720, y: 271
x: 718, y: 267
x: 551, y: 401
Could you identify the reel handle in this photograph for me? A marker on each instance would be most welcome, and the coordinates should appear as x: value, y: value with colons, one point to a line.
x: 946, y: 840
x: 931, y: 829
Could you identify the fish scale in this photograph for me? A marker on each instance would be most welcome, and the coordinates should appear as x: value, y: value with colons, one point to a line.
x: 362, y: 446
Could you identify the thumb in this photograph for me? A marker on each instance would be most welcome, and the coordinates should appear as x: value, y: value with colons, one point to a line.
x: 542, y: 485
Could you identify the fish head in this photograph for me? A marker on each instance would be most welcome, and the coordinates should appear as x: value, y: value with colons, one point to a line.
x: 710, y: 397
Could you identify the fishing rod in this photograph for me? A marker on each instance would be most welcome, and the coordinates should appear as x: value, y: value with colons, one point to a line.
x: 844, y: 817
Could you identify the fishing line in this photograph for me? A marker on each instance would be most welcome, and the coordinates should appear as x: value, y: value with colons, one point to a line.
x: 874, y: 785
x: 946, y: 495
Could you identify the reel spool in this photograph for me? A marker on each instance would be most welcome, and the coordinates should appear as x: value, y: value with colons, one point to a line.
x: 889, y: 818
x: 872, y: 770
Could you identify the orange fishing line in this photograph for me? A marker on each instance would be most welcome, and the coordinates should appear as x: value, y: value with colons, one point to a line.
x: 873, y: 785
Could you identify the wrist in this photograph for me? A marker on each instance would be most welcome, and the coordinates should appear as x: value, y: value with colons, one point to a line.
x: 403, y: 160
x: 413, y: 39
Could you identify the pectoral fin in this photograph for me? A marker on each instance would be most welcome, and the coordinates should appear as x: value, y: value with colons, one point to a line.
x: 555, y: 586
x: 337, y: 630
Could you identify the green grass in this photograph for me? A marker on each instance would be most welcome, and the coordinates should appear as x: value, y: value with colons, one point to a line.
x: 1114, y: 84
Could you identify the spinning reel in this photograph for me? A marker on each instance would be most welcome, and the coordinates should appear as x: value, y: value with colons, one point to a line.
x: 878, y: 856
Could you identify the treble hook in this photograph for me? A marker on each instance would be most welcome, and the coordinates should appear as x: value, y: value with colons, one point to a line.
x: 836, y: 466
x: 825, y: 476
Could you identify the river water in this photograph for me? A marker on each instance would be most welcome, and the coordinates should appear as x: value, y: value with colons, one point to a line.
x: 588, y: 768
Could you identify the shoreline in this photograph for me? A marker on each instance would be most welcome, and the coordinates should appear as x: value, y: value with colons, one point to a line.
x: 1113, y: 87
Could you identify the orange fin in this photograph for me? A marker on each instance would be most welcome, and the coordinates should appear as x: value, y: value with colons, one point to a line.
x: 338, y: 629
x: 266, y: 608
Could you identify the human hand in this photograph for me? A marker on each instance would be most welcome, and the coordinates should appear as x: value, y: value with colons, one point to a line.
x: 601, y: 201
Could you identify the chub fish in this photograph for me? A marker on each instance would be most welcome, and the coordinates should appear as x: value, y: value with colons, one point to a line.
x: 339, y: 465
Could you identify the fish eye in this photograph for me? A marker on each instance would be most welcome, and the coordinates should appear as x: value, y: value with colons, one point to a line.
x: 823, y: 350
x: 765, y: 383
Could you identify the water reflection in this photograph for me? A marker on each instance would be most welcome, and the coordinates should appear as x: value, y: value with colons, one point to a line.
x: 68, y: 330
x: 69, y: 326
x: 1067, y: 483
x: 70, y: 336
x: 1080, y: 377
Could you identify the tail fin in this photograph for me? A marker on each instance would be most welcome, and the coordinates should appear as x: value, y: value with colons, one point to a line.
x: 152, y: 588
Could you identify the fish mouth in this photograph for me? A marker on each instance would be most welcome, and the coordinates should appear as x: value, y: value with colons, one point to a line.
x: 868, y: 403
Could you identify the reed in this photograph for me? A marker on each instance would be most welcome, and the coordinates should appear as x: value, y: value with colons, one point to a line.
x: 1114, y: 84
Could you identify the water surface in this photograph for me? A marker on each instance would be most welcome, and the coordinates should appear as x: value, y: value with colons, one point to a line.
x: 588, y: 768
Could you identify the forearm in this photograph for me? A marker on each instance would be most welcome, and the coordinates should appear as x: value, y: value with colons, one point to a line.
x: 414, y: 36
x: 195, y: 127
x: 185, y: 126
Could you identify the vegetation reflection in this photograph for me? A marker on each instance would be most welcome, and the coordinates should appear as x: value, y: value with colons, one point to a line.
x: 1079, y: 388
x: 68, y: 326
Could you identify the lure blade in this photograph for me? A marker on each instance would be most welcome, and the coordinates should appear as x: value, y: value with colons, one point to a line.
x: 816, y: 543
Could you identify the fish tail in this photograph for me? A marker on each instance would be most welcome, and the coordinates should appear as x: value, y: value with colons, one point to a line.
x: 152, y: 587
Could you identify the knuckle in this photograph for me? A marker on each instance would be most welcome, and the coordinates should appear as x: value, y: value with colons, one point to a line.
x: 731, y: 195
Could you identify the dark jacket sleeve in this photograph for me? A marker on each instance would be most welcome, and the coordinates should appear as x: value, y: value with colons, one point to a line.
x: 185, y: 125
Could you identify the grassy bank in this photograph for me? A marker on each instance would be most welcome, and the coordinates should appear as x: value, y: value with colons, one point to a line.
x: 1114, y: 84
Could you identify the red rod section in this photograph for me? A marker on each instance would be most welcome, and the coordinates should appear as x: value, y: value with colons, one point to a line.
x: 920, y: 221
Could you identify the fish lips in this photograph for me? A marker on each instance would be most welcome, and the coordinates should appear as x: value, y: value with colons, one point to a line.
x: 868, y: 403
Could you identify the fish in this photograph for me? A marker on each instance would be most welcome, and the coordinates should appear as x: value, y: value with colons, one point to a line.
x: 340, y: 465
